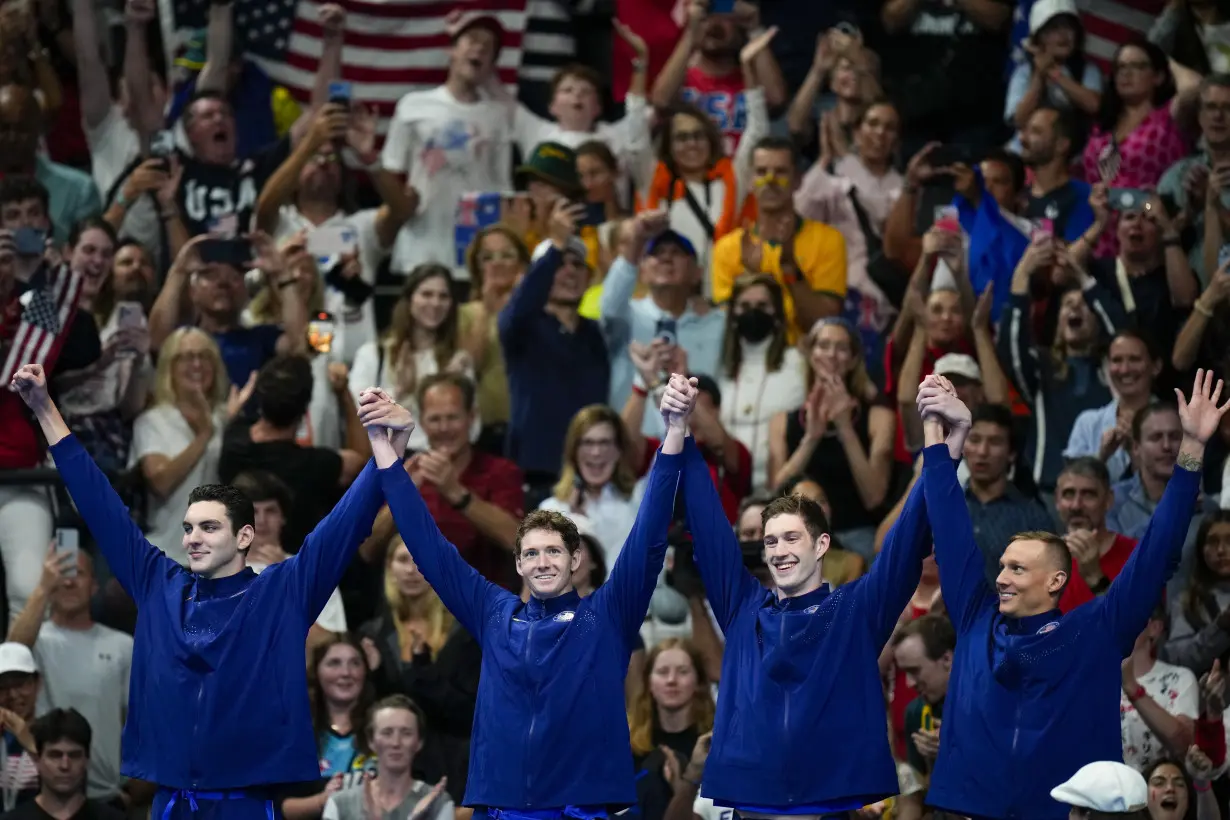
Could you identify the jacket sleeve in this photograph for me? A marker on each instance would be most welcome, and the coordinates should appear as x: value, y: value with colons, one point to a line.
x: 464, y: 592
x: 1016, y: 349
x: 615, y: 306
x: 317, y: 569
x: 714, y: 546
x: 626, y: 594
x: 1133, y: 595
x: 886, y: 589
x: 136, y: 563
x: 1107, y: 307
x: 1187, y: 646
x: 962, y: 579
x: 528, y: 299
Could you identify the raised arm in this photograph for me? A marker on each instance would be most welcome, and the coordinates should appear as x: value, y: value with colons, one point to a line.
x: 1133, y: 595
x: 627, y: 592
x: 134, y: 561
x: 962, y: 567
x: 530, y: 297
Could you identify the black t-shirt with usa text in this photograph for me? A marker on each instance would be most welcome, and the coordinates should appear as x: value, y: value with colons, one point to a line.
x: 210, y: 194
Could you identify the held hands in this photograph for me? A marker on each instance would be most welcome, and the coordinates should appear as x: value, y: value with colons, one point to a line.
x: 678, y: 401
x: 937, y: 400
x: 388, y: 424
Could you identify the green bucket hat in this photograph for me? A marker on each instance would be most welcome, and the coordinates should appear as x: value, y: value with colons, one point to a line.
x: 553, y: 163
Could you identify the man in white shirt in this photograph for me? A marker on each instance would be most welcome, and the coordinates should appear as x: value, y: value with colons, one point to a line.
x: 85, y: 665
x: 448, y: 141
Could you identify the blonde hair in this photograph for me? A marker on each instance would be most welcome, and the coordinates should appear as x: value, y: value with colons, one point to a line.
x: 164, y: 379
x: 475, y: 266
x: 643, y: 715
x: 858, y: 382
x: 439, y: 620
x: 623, y: 478
x: 266, y: 306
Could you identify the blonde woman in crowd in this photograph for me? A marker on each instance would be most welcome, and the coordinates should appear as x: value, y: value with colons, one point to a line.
x: 177, y: 441
x: 496, y: 260
x: 416, y: 648
x: 423, y: 338
x: 761, y: 375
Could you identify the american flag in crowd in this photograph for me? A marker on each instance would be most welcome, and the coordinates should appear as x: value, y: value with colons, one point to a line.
x: 391, y: 46
x: 47, y: 311
x: 1108, y: 24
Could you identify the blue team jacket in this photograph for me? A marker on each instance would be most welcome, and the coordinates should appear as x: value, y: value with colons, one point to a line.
x: 1031, y: 700
x: 550, y: 730
x: 218, y: 694
x: 800, y: 722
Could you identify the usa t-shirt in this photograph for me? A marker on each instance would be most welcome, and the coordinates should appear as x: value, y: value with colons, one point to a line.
x: 211, y: 192
x: 722, y: 98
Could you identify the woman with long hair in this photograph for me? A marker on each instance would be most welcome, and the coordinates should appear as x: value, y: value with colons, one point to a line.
x: 1173, y: 789
x: 1200, y: 614
x: 341, y: 695
x: 423, y: 338
x: 673, y: 708
x: 177, y: 442
x: 496, y: 260
x: 101, y: 401
x: 596, y: 480
x: 761, y: 375
x: 841, y: 436
x: 852, y: 74
x: 416, y: 648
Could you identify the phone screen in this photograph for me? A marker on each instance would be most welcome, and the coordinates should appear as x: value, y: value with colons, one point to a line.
x: 320, y: 332
x: 340, y: 92
x: 68, y: 544
x: 667, y: 331
x: 234, y: 252
x: 595, y: 214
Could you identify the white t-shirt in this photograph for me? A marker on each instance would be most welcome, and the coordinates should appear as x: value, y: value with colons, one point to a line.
x: 113, y: 146
x: 332, y: 618
x: 750, y: 401
x: 163, y: 430
x: 448, y: 148
x: 610, y: 515
x: 353, y: 327
x: 87, y: 670
x: 1176, y: 690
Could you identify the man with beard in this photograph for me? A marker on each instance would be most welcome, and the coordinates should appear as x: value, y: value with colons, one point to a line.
x: 1047, y: 142
x: 71, y: 194
x: 556, y: 359
x: 713, y: 82
x: 62, y: 754
x: 305, y: 194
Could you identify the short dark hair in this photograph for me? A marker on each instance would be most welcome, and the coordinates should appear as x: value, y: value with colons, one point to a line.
x: 996, y: 414
x: 935, y: 632
x: 553, y: 522
x: 1141, y: 335
x: 581, y: 72
x: 196, y: 97
x: 261, y: 485
x: 397, y: 701
x: 772, y: 143
x: 448, y: 378
x: 92, y: 223
x: 19, y: 188
x: 284, y: 390
x: 58, y: 725
x: 238, y: 506
x: 1056, y: 549
x: 1014, y: 164
x: 1088, y: 467
x: 812, y: 514
x: 1065, y: 127
x: 596, y: 148
x: 1149, y: 410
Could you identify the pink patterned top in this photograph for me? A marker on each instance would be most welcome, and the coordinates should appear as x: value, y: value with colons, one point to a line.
x: 1155, y: 145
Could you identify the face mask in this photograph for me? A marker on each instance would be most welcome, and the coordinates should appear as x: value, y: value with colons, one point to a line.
x: 755, y: 325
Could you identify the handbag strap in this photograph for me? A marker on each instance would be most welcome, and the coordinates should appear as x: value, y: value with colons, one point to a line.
x: 701, y: 215
x: 864, y: 221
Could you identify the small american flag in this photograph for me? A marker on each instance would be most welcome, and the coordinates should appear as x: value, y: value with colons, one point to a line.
x: 1108, y: 25
x: 391, y: 46
x: 48, y: 310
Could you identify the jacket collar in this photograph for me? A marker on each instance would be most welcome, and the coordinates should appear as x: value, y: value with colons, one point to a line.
x: 537, y: 609
x: 801, y: 602
x: 1034, y: 624
x: 223, y: 587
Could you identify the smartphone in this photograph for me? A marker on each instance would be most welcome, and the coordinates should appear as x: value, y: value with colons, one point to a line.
x: 667, y: 330
x: 332, y: 240
x: 129, y: 315
x: 30, y: 241
x: 1223, y: 256
x: 320, y: 332
x: 947, y: 218
x: 68, y: 544
x: 234, y: 252
x: 595, y: 214
x: 947, y: 155
x: 1043, y: 227
x: 722, y: 7
x: 1127, y: 199
x: 341, y: 92
x: 162, y: 144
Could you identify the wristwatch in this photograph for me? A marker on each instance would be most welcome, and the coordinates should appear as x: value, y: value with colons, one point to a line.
x: 463, y: 502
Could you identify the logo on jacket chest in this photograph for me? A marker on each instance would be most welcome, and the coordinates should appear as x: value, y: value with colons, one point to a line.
x: 1051, y: 627
x: 564, y: 617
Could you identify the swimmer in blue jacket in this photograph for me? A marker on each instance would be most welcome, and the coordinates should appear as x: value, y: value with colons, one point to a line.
x: 550, y: 735
x: 218, y: 712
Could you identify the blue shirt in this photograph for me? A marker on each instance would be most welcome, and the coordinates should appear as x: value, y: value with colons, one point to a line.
x: 246, y: 349
x: 996, y: 521
x: 1086, y: 439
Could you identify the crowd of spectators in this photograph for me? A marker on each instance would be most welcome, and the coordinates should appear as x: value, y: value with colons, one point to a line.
x: 808, y: 206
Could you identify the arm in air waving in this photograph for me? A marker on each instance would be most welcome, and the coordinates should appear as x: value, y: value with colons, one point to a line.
x: 135, y: 562
x: 946, y: 423
x: 465, y: 592
x: 1132, y: 597
x: 631, y: 584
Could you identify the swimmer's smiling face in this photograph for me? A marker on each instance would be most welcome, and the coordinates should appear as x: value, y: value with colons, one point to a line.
x: 215, y: 549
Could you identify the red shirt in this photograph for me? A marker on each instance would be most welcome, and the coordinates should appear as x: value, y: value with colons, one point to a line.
x: 497, y: 481
x: 732, y: 487
x: 1078, y: 592
x: 931, y: 356
x: 654, y: 22
x: 722, y: 99
x: 901, y: 696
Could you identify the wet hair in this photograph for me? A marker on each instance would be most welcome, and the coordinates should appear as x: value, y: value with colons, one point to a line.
x: 59, y: 725
x: 812, y: 513
x: 552, y: 522
x: 284, y: 390
x: 238, y: 506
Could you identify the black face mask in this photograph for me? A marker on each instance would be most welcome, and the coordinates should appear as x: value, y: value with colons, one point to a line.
x: 755, y: 324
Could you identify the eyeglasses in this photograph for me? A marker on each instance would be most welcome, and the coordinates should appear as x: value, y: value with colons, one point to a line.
x: 595, y: 443
x: 688, y: 136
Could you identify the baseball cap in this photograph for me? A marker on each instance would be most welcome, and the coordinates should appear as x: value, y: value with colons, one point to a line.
x: 1043, y: 11
x: 553, y: 163
x: 16, y: 657
x: 1104, y: 786
x: 960, y: 365
x: 671, y: 237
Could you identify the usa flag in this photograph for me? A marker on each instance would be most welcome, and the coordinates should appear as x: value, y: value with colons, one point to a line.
x: 1108, y: 25
x: 391, y: 46
x: 47, y: 312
